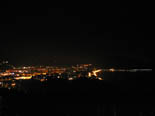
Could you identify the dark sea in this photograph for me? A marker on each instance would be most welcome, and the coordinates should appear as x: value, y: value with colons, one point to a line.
x: 119, y: 94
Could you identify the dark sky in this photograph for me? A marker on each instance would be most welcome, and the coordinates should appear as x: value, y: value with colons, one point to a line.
x: 109, y: 33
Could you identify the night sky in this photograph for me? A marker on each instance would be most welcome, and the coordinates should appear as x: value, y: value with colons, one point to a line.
x: 108, y: 33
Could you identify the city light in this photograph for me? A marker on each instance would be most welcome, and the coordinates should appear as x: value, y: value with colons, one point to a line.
x: 96, y: 71
x: 13, y: 84
x: 89, y: 74
x: 23, y: 78
x: 47, y: 73
x: 100, y: 78
x: 42, y: 80
x: 112, y: 70
x: 70, y: 79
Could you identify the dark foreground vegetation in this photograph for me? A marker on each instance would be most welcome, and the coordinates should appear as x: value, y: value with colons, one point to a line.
x: 126, y: 94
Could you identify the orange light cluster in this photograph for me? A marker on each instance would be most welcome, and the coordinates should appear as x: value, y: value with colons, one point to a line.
x: 96, y: 71
x: 23, y: 78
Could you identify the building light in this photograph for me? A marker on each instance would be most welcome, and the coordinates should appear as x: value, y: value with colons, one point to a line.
x: 89, y: 74
x: 112, y: 70
x: 23, y: 78
x: 100, y: 78
x: 13, y: 84
x: 58, y: 77
x: 42, y: 80
x: 70, y: 79
x: 96, y: 71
